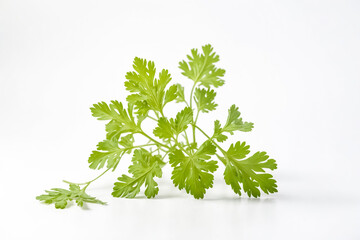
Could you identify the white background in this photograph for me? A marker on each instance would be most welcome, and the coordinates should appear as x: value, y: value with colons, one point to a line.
x: 292, y: 68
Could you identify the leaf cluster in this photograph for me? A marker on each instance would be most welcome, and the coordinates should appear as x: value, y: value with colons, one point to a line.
x: 61, y: 197
x: 174, y: 137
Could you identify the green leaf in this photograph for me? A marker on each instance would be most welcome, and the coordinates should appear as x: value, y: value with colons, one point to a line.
x: 201, y: 67
x: 102, y: 111
x: 122, y: 120
x: 182, y: 120
x: 60, y: 197
x: 233, y: 123
x: 171, y: 94
x: 113, y: 130
x: 249, y: 172
x: 180, y: 93
x: 218, y: 132
x: 144, y: 168
x: 146, y: 87
x: 193, y: 173
x: 204, y: 99
x: 141, y: 108
x: 127, y: 141
x: 164, y: 130
x: 109, y: 153
x: 205, y: 150
x: 238, y: 151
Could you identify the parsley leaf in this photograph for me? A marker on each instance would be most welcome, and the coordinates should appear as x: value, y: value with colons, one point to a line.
x: 144, y: 168
x: 60, y: 197
x: 233, y: 123
x: 110, y: 153
x: 249, y: 172
x: 193, y: 172
x: 182, y: 120
x: 166, y: 129
x: 171, y: 94
x: 193, y: 159
x: 204, y: 99
x: 201, y: 68
x: 180, y: 93
x: 142, y: 82
x: 122, y: 120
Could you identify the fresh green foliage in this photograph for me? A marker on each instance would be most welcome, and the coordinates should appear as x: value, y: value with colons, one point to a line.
x: 60, y: 197
x: 204, y: 99
x: 201, y: 67
x: 250, y: 172
x: 193, y: 162
x: 193, y: 172
x: 144, y: 168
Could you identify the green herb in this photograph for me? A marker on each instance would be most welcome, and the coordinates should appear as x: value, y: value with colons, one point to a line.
x: 193, y: 162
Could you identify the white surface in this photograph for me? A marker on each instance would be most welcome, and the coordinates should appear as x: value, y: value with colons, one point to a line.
x: 292, y: 68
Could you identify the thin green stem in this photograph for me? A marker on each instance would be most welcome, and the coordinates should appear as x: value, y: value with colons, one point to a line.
x: 140, y: 146
x: 186, y: 138
x: 197, y: 116
x: 211, y: 139
x: 162, y: 159
x: 191, y: 100
x: 157, y: 115
x: 152, y: 139
x: 151, y: 118
x: 178, y: 144
x: 221, y: 159
x: 162, y: 114
x: 191, y: 94
x: 152, y: 151
x: 88, y: 183
x: 187, y: 141
x: 187, y: 104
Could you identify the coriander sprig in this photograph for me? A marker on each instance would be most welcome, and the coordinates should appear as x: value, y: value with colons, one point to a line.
x: 193, y: 162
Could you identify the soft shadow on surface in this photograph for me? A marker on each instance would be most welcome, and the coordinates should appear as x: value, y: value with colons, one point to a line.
x: 322, y: 199
x: 174, y: 196
x: 71, y: 204
x: 241, y: 199
x: 138, y: 197
x: 86, y: 207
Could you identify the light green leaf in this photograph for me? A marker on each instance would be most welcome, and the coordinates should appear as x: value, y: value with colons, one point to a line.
x: 218, y: 132
x: 180, y: 93
x: 60, y: 197
x: 233, y: 123
x: 249, y: 172
x: 109, y: 152
x: 122, y: 120
x: 127, y: 141
x: 171, y: 94
x: 193, y: 173
x: 204, y: 99
x: 182, y: 120
x: 201, y: 67
x: 144, y: 168
x: 146, y: 87
x: 164, y: 130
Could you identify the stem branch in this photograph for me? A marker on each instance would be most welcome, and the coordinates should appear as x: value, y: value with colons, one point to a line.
x: 156, y: 142
x: 88, y: 183
x: 211, y: 139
